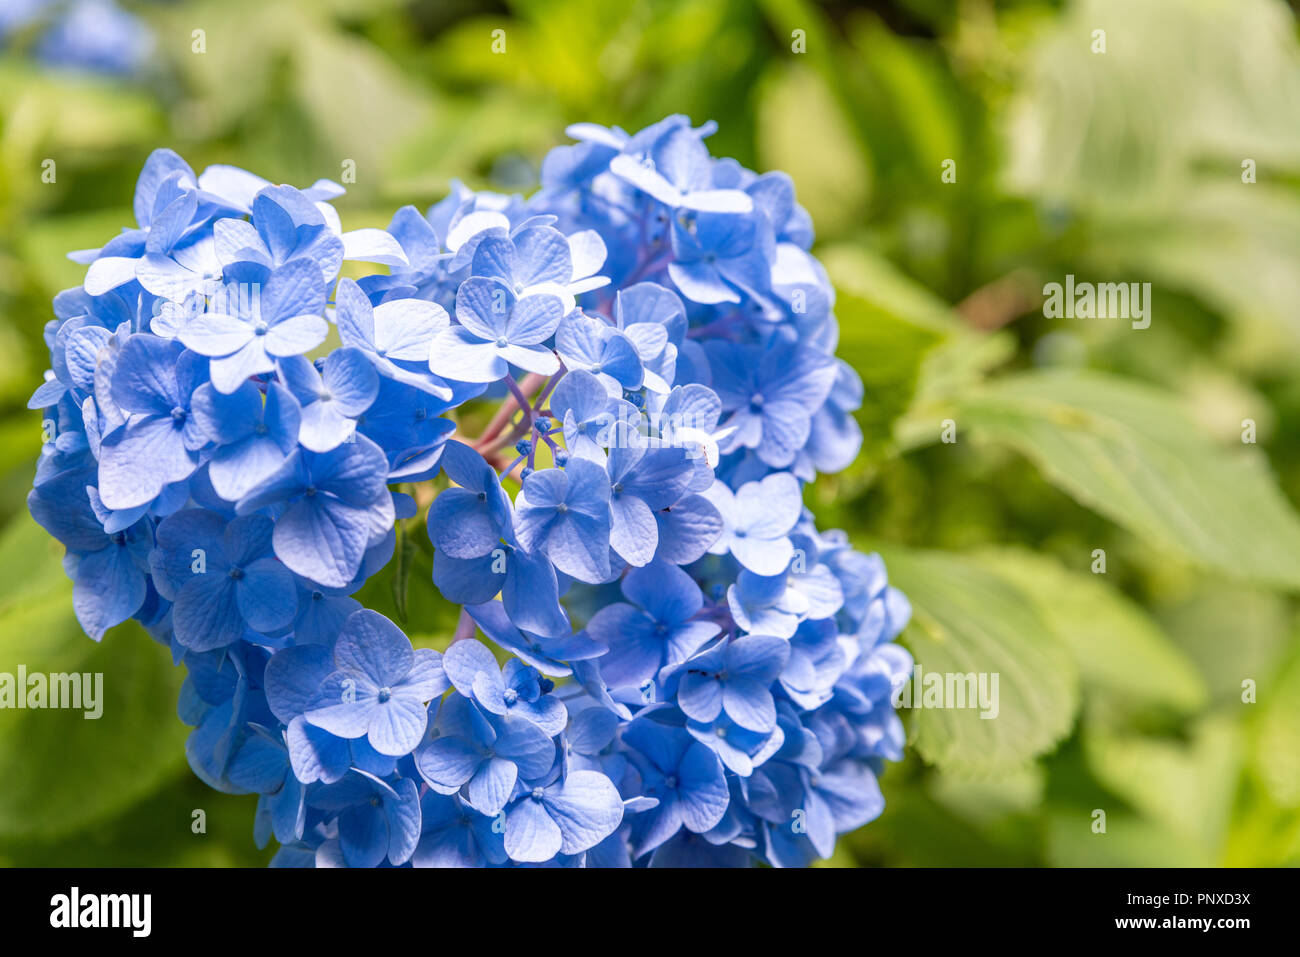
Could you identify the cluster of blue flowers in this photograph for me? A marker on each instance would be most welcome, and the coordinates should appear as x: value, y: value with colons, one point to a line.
x: 679, y: 667
x: 95, y: 36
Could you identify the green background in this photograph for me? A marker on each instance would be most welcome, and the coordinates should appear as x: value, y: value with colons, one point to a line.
x: 1120, y: 692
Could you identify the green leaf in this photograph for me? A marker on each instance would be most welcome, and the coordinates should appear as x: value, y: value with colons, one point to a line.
x: 1119, y: 649
x: 30, y: 569
x: 405, y: 555
x: 69, y: 114
x: 887, y: 352
x: 968, y: 619
x: 1277, y: 745
x: 834, y: 180
x: 1130, y: 453
x: 156, y: 832
x: 121, y: 757
x: 340, y: 80
x: 907, y: 344
x: 857, y: 270
x: 1198, y: 612
x: 45, y: 244
x: 918, y: 830
x: 891, y: 328
x: 1146, y: 145
x: 1128, y: 841
x: 1187, y: 786
x: 427, y: 613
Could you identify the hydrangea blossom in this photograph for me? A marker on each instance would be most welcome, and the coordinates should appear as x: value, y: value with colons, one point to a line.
x: 90, y: 35
x: 676, y: 666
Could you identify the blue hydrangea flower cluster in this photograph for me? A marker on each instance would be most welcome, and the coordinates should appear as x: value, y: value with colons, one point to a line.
x: 95, y: 36
x: 676, y: 666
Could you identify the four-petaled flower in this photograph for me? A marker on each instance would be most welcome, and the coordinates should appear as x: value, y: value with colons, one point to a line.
x: 381, y: 686
x: 283, y: 318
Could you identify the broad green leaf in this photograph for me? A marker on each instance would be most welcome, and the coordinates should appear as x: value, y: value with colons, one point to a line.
x: 887, y: 352
x: 1015, y: 791
x: 833, y: 181
x: 1187, y: 786
x: 1146, y: 143
x: 916, y: 830
x: 30, y: 569
x: 1130, y: 453
x: 50, y: 113
x: 1128, y: 841
x: 1257, y: 621
x: 463, y: 137
x: 892, y: 331
x: 1277, y: 745
x: 1119, y: 649
x: 1101, y: 129
x: 967, y: 619
x: 857, y: 270
x: 887, y: 321
x: 44, y: 248
x: 159, y: 831
x: 119, y: 758
x: 360, y: 104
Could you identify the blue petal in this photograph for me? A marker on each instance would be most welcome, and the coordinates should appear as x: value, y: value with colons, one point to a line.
x: 109, y: 588
x: 292, y: 678
x: 316, y: 755
x: 364, y: 836
x: 266, y: 595
x: 448, y: 762
x: 490, y: 787
x: 373, y: 646
x: 587, y: 808
x: 322, y: 540
x: 532, y: 836
x: 206, y: 613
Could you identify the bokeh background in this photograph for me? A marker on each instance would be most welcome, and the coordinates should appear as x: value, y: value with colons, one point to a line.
x: 1173, y: 157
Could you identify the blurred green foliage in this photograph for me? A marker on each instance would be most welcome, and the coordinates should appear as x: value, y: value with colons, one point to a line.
x: 1120, y: 691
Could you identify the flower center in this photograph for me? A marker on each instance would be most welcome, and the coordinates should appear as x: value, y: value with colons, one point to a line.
x: 385, y: 694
